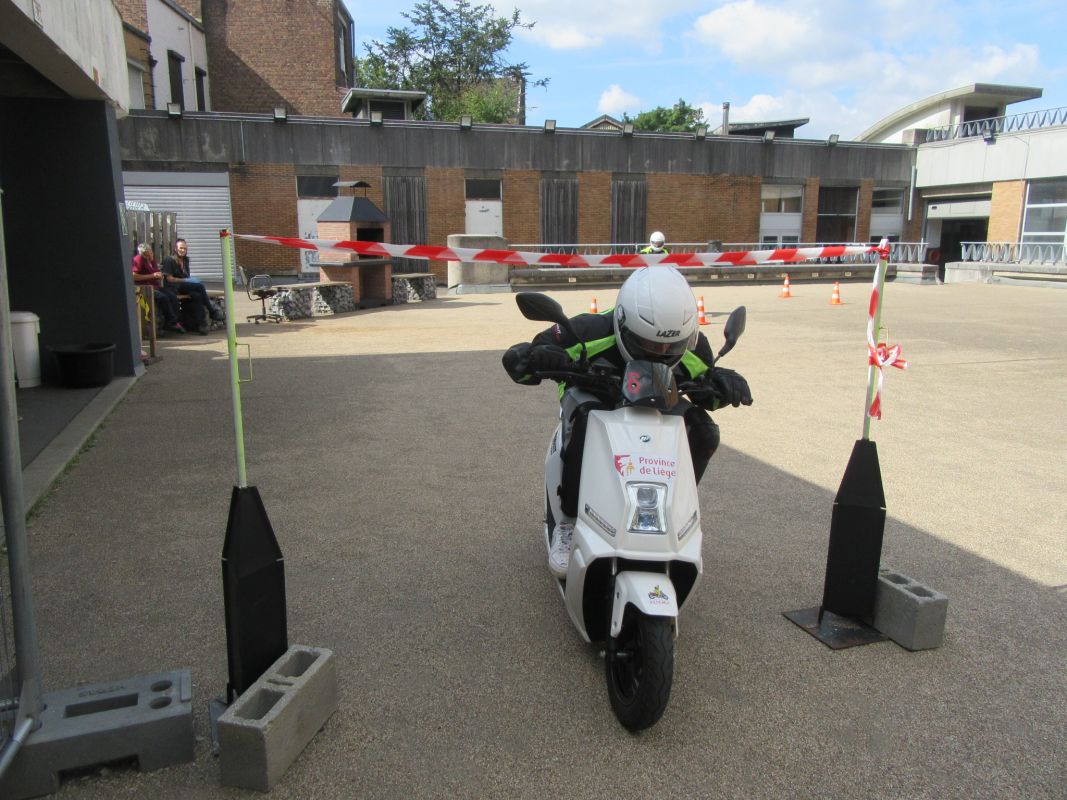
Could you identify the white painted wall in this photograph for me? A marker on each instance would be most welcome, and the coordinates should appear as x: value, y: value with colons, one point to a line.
x: 1012, y: 156
x: 924, y: 119
x: 171, y: 30
x: 79, y: 46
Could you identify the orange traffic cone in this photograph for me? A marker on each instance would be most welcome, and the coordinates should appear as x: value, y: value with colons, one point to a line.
x: 701, y: 319
x: 593, y: 307
x: 785, y: 288
x: 835, y: 298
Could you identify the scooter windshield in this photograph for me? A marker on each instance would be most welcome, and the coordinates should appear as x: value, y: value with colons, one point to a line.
x: 649, y: 384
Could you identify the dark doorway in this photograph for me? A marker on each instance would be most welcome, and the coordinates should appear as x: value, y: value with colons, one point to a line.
x: 953, y: 233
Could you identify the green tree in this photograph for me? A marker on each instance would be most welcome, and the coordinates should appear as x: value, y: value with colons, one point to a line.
x: 680, y: 118
x: 455, y: 53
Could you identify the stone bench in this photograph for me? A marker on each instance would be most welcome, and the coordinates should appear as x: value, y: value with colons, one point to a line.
x: 411, y: 287
x: 218, y: 301
x: 303, y: 300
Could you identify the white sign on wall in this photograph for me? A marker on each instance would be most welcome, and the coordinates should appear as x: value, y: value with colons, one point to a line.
x: 307, y: 214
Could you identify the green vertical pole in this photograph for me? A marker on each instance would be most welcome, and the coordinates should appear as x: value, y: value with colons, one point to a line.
x: 876, y: 312
x: 231, y: 346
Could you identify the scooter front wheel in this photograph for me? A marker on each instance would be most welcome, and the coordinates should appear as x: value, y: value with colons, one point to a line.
x: 639, y: 666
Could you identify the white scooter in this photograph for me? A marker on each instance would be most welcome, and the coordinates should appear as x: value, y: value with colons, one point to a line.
x: 636, y: 547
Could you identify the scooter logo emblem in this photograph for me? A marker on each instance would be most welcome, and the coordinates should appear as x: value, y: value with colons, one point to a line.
x: 623, y: 465
x: 659, y: 595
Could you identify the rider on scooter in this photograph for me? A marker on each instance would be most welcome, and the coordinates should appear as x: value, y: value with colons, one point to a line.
x: 654, y: 319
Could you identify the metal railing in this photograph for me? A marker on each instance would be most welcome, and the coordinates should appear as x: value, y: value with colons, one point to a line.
x: 899, y: 252
x: 1014, y: 252
x: 994, y: 126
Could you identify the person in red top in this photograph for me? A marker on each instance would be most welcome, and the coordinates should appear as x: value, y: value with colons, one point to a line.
x: 146, y: 271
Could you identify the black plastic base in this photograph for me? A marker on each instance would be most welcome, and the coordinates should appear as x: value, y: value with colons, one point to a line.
x: 833, y: 630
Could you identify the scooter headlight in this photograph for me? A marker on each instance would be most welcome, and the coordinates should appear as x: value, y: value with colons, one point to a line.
x: 647, y: 500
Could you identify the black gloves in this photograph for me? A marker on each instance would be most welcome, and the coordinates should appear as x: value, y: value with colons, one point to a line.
x: 549, y: 358
x: 730, y: 387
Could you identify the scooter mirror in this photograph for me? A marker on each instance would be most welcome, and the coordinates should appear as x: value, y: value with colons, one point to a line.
x: 542, y: 308
x: 735, y: 326
x: 539, y: 307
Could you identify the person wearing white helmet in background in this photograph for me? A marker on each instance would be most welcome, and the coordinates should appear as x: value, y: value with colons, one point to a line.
x: 655, y: 245
x: 654, y: 319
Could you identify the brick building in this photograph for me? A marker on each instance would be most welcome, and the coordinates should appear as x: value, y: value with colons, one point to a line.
x: 223, y: 55
x: 524, y: 183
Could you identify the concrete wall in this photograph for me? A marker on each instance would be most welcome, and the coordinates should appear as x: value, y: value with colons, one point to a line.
x: 59, y: 169
x: 1025, y: 155
x: 78, y: 46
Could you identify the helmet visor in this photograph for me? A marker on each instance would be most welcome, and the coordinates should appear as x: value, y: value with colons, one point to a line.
x: 651, y: 350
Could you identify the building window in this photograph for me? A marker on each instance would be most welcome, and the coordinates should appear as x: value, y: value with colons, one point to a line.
x: 136, y: 76
x: 482, y: 188
x: 174, y: 67
x: 629, y: 205
x: 316, y: 186
x: 781, y: 221
x: 782, y: 199
x: 201, y: 89
x: 343, y: 28
x: 559, y: 212
x: 390, y: 109
x: 887, y: 214
x: 885, y: 201
x: 404, y: 196
x: 1045, y: 219
x: 777, y: 242
x: 836, y: 222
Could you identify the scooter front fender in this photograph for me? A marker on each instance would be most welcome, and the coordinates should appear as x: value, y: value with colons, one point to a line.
x: 651, y: 593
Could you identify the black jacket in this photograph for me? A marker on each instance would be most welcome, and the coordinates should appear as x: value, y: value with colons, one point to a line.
x: 598, y: 333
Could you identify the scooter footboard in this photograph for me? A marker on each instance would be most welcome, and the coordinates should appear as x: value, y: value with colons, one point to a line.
x: 651, y: 593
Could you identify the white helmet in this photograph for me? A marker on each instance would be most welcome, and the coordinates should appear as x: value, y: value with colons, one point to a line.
x: 655, y: 316
x: 657, y: 239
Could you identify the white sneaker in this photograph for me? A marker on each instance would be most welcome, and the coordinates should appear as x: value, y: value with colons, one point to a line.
x: 559, y: 556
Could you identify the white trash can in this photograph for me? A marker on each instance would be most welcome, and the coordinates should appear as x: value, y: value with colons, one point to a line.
x: 25, y: 327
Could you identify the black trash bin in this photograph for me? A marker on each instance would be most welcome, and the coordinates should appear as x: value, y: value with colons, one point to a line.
x: 85, y: 365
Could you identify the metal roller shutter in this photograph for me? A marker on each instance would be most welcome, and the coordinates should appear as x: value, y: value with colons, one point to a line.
x: 202, y: 212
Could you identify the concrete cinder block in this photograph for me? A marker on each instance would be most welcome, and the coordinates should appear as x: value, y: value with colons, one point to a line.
x: 148, y: 719
x: 910, y: 614
x: 266, y: 728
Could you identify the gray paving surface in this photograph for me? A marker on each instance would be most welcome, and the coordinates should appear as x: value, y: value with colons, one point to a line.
x: 400, y: 468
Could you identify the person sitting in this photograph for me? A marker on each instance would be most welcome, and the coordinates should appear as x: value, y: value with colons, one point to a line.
x: 177, y: 277
x: 146, y: 271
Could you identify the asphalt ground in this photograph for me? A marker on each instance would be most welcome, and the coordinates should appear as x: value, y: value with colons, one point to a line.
x: 401, y: 468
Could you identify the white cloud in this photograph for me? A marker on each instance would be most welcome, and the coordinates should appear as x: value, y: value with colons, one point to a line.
x: 751, y: 32
x: 846, y: 65
x: 596, y: 23
x: 614, y: 101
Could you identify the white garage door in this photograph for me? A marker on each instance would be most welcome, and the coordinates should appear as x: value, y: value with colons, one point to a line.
x: 201, y: 201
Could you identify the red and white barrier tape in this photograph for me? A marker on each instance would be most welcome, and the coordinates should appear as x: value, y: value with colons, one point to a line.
x: 742, y: 258
x: 880, y: 355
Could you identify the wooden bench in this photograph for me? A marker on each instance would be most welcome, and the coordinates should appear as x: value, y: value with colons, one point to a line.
x: 302, y: 300
x: 411, y: 287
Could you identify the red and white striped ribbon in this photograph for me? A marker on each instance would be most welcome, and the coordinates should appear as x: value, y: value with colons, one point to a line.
x: 880, y: 355
x: 520, y: 258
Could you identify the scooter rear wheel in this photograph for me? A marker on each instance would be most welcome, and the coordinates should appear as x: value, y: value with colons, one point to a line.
x: 639, y: 666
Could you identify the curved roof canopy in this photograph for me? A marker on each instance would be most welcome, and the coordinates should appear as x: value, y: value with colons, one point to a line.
x: 989, y: 94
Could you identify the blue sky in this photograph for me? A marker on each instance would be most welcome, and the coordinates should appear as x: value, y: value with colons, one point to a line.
x: 845, y: 65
